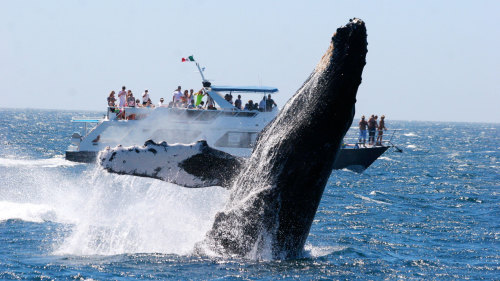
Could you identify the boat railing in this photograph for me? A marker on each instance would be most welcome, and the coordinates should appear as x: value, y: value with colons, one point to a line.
x: 89, y: 123
x: 138, y: 113
x: 354, y: 142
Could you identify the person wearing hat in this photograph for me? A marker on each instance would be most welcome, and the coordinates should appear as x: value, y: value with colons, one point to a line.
x: 381, y: 128
x: 362, y: 130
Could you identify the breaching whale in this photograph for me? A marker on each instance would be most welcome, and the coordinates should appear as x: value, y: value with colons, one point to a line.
x: 276, y: 192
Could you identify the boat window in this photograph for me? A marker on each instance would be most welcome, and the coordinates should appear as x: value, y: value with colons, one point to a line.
x: 237, y: 139
x: 114, y: 134
x: 175, y: 136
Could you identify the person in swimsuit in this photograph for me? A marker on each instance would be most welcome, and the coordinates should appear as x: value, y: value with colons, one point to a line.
x: 362, y: 130
x: 372, y: 128
x: 381, y: 128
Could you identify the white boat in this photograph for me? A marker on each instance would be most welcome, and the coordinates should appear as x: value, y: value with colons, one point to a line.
x: 228, y: 129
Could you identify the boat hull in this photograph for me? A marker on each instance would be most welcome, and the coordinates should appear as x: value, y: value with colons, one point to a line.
x: 358, y: 160
x: 81, y: 156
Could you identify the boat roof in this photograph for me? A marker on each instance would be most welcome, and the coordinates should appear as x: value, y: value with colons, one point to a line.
x: 245, y: 89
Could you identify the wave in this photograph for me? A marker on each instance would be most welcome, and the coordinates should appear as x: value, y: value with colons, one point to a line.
x: 311, y: 251
x: 387, y: 159
x: 410, y: 134
x: 26, y: 211
x: 371, y: 200
x: 57, y: 161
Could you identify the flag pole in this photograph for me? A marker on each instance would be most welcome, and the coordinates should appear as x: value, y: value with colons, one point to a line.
x: 204, y: 81
x: 201, y: 72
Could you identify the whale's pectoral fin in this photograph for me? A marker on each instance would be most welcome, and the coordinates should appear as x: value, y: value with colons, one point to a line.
x: 193, y: 165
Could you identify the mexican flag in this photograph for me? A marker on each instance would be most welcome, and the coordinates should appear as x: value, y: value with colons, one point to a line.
x: 190, y: 58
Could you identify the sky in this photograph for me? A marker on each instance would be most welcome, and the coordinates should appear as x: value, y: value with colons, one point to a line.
x: 426, y: 61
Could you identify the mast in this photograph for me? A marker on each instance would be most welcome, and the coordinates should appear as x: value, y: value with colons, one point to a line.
x: 204, y: 81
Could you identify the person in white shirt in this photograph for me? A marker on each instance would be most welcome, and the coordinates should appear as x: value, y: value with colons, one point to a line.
x: 177, y: 94
x: 161, y: 104
x: 122, y: 95
x: 262, y: 104
x: 145, y: 97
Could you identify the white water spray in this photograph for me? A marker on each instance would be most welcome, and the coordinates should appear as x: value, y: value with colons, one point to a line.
x: 108, y: 214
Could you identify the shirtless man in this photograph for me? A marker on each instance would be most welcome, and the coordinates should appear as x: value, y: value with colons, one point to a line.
x: 381, y: 128
x: 362, y: 130
x: 372, y: 128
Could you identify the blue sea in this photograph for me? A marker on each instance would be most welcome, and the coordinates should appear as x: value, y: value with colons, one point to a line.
x: 431, y: 212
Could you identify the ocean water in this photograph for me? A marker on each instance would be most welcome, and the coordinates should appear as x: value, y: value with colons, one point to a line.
x: 431, y: 212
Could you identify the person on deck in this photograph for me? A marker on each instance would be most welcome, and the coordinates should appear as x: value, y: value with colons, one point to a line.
x: 237, y: 102
x: 270, y: 103
x: 249, y: 105
x: 122, y: 95
x: 130, y: 99
x: 145, y: 97
x: 362, y: 130
x: 111, y: 99
x: 229, y: 98
x: 381, y: 128
x: 177, y: 94
x: 263, y: 104
x: 199, y: 97
x: 191, y: 97
x: 185, y: 98
x: 210, y: 102
x: 372, y: 127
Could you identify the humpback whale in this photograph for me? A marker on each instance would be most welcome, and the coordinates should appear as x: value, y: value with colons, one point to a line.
x: 275, y: 193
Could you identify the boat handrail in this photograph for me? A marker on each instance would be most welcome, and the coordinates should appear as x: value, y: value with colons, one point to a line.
x: 357, y: 143
x: 142, y: 112
x: 86, y: 119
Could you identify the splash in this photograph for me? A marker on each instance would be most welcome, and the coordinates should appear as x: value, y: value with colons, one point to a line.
x: 44, y: 163
x: 108, y: 214
x: 130, y: 215
x: 26, y: 212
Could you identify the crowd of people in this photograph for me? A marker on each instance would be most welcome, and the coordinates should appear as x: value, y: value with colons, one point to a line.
x: 126, y: 99
x: 187, y: 99
x: 372, y: 126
